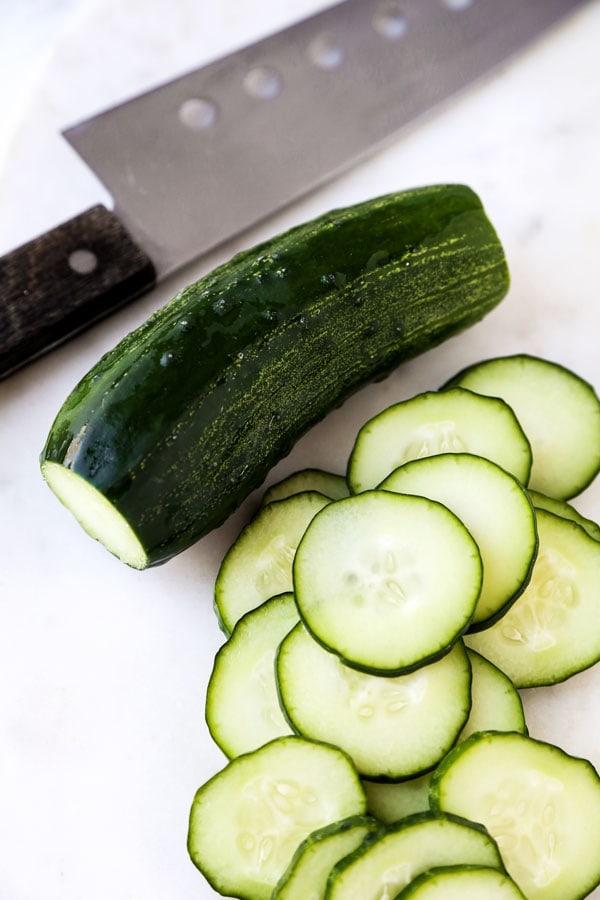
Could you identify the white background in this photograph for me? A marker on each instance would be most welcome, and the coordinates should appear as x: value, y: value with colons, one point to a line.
x: 103, y: 669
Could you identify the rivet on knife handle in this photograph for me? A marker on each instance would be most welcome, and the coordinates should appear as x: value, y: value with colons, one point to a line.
x: 58, y: 284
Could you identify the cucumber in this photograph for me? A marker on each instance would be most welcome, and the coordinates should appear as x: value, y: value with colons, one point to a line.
x: 566, y: 510
x: 387, y: 581
x: 462, y: 883
x: 540, y: 804
x: 552, y: 631
x: 327, y: 483
x: 174, y: 427
x: 452, y: 421
x: 258, y: 565
x: 384, y: 866
x: 247, y: 821
x: 472, y: 487
x: 392, y: 728
x: 242, y: 706
x: 306, y: 875
x: 559, y: 412
x: 495, y: 704
x: 448, y: 732
x: 391, y: 801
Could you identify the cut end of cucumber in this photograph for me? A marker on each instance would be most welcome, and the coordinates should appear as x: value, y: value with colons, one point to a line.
x: 95, y: 514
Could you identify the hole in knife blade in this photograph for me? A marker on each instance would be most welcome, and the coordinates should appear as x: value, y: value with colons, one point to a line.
x: 390, y: 22
x: 456, y: 5
x: 325, y: 52
x: 82, y: 261
x: 198, y: 113
x: 263, y: 82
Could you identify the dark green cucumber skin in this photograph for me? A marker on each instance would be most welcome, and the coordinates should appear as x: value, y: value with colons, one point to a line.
x: 187, y: 414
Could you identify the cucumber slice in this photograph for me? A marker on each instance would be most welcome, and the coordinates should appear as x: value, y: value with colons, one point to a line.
x: 384, y: 866
x: 258, y: 565
x: 389, y: 802
x: 540, y: 804
x: 327, y: 483
x: 566, y: 510
x: 552, y: 631
x: 242, y: 707
x: 495, y: 704
x: 471, y: 487
x: 392, y: 728
x: 451, y: 421
x: 559, y: 412
x: 387, y: 581
x: 462, y: 883
x: 306, y: 876
x: 247, y: 821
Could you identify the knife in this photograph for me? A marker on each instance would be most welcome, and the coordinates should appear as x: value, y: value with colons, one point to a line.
x: 205, y: 156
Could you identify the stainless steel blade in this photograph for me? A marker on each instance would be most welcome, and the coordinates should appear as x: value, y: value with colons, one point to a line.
x: 203, y: 157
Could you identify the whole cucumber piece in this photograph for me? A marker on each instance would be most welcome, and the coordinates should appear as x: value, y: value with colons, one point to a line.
x: 174, y: 427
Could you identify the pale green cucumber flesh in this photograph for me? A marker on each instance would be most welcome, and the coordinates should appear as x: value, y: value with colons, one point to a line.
x: 387, y: 581
x: 391, y: 801
x: 392, y: 727
x: 258, y: 565
x: 541, y: 805
x: 497, y: 512
x: 495, y: 704
x: 306, y: 876
x: 97, y: 516
x: 462, y: 883
x: 330, y: 484
x: 402, y: 851
x: 451, y: 421
x: 242, y: 706
x: 558, y: 410
x: 248, y: 819
x: 566, y: 510
x: 552, y: 631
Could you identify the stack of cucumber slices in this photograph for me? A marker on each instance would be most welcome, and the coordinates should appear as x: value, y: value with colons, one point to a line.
x: 379, y: 628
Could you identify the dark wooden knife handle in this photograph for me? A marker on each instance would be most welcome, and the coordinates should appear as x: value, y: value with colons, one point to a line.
x: 61, y: 282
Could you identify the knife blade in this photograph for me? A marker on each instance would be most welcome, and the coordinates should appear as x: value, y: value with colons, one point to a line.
x: 203, y: 157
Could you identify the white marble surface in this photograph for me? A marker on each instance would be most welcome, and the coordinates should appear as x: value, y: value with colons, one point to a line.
x: 103, y: 669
